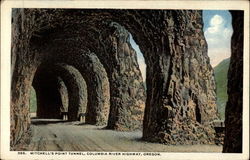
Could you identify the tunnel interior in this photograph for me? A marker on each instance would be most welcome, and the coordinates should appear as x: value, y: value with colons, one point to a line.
x: 86, y: 67
x: 49, y: 100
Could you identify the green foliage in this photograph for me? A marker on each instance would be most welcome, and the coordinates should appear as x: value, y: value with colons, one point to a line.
x: 145, y: 85
x: 220, y: 73
x: 33, y: 102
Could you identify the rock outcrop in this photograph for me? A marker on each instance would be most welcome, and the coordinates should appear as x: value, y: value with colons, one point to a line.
x: 127, y: 92
x: 234, y: 107
x: 23, y: 67
x: 184, y: 87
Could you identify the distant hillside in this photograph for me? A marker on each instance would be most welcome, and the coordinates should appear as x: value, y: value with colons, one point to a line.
x: 220, y: 72
x: 33, y: 105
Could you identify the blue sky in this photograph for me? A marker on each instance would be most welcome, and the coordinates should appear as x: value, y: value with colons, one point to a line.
x: 217, y: 30
x: 140, y: 57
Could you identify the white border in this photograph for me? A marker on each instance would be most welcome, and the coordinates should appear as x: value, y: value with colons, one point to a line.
x: 208, y: 5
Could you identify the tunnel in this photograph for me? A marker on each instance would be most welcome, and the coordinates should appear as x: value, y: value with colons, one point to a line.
x: 74, y: 93
x: 180, y: 102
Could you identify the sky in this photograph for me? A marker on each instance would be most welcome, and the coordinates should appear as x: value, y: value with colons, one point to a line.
x: 140, y: 57
x: 217, y: 30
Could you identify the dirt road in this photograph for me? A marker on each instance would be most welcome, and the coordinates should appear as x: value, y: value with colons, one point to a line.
x: 55, y: 135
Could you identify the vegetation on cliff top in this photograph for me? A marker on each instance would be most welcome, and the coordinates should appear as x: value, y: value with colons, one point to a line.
x: 220, y: 73
x: 33, y: 102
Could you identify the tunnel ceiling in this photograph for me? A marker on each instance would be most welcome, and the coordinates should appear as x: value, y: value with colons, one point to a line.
x: 119, y: 61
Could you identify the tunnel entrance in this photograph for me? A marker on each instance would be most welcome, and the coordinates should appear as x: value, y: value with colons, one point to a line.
x: 49, y: 99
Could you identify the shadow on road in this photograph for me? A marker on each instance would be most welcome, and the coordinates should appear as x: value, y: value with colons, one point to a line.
x: 35, y: 121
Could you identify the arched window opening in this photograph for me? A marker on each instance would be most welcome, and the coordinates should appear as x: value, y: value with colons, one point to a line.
x: 61, y: 92
x: 218, y: 31
x: 140, y: 59
x: 73, y: 91
x: 33, y: 103
x: 49, y: 101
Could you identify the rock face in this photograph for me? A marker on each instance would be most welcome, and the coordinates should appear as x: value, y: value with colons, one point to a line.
x: 181, y: 96
x: 23, y: 67
x: 180, y: 103
x: 233, y: 120
x: 126, y: 85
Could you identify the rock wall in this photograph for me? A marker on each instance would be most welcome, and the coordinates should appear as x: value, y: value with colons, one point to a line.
x: 233, y: 120
x: 23, y: 66
x: 127, y: 92
x: 180, y: 84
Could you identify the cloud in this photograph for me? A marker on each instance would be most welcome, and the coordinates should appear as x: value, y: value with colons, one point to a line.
x: 216, y: 20
x: 217, y: 28
x: 216, y: 25
x: 227, y: 33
